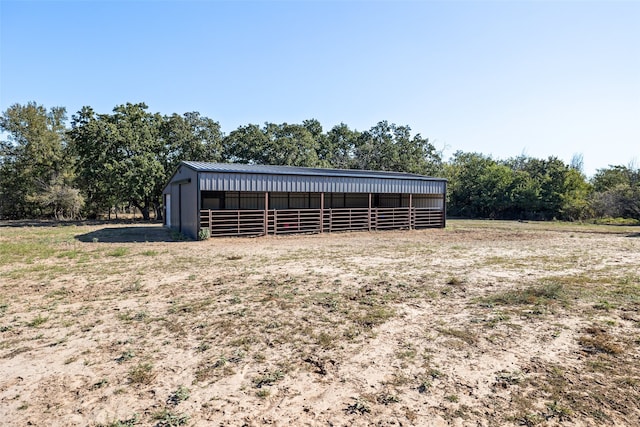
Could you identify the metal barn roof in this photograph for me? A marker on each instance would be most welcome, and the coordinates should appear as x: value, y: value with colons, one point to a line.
x: 264, y: 178
x: 302, y: 171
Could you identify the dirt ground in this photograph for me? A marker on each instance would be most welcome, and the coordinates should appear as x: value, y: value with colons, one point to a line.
x: 484, y: 323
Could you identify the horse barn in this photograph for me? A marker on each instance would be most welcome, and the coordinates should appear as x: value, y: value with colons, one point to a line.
x: 252, y: 200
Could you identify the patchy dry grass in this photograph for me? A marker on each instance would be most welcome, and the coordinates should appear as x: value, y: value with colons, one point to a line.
x: 482, y: 323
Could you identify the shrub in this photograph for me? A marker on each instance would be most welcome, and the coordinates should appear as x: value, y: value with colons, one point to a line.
x: 204, y: 234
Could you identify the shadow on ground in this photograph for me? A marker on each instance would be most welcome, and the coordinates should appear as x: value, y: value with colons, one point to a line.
x: 133, y: 234
x: 18, y: 223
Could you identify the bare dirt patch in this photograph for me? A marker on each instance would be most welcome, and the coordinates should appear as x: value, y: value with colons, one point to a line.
x: 482, y: 323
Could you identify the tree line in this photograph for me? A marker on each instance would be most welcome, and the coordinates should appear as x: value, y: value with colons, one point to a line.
x: 102, y: 162
x: 540, y: 189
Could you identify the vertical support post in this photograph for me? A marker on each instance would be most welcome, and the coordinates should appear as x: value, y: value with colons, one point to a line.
x: 266, y: 213
x: 322, y: 212
x: 369, y: 213
x: 410, y: 211
x: 275, y: 222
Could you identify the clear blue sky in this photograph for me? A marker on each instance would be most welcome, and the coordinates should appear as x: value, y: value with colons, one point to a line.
x: 501, y: 78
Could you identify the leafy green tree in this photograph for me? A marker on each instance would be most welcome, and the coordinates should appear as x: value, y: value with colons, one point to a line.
x: 384, y: 147
x: 33, y: 160
x: 64, y: 201
x: 415, y: 154
x: 525, y: 193
x: 497, y: 186
x: 291, y: 145
x: 479, y: 186
x: 463, y: 171
x: 119, y: 156
x: 375, y: 148
x: 616, y: 192
x: 247, y: 144
x: 275, y: 144
x: 554, y: 189
x: 185, y: 137
x: 389, y: 147
x: 315, y: 129
x: 137, y: 164
x: 126, y: 157
x: 522, y: 187
x: 339, y: 146
x: 606, y: 179
x: 93, y: 137
x: 190, y: 137
x: 575, y: 198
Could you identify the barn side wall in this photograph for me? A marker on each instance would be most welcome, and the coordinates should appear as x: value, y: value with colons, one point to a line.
x: 252, y: 182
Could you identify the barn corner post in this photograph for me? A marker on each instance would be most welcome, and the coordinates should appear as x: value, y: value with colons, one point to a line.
x: 199, y: 209
x: 444, y: 204
x: 167, y: 209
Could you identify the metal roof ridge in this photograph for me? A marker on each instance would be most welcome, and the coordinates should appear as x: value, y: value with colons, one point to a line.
x: 299, y: 170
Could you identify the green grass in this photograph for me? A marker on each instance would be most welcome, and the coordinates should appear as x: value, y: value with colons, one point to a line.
x: 168, y: 418
x: 615, y: 221
x: 37, y: 321
x: 119, y: 252
x: 71, y: 254
x: 373, y: 316
x: 544, y: 294
x: 180, y: 395
x: 466, y: 335
x: 359, y: 406
x: 263, y: 393
x: 129, y: 422
x: 386, y: 398
x: 12, y: 252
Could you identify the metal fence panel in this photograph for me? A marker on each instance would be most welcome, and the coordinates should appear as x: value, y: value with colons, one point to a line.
x: 289, y: 221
